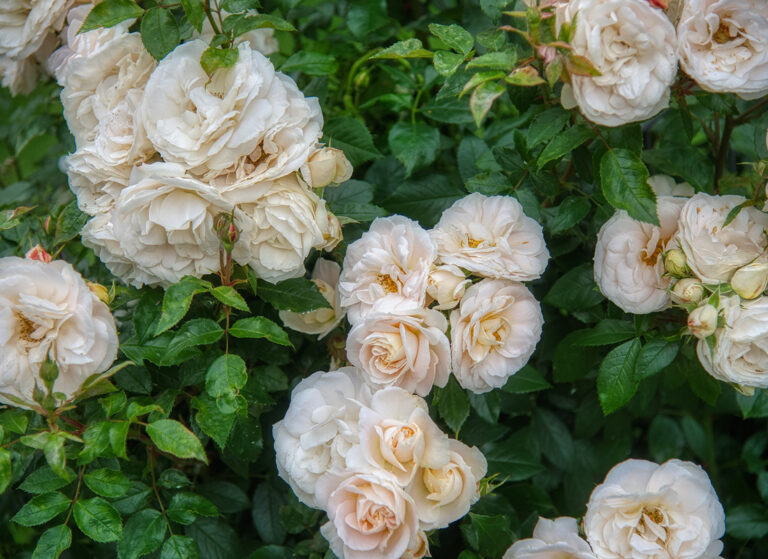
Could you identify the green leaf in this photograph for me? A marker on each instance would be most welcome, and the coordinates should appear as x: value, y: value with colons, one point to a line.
x: 195, y: 14
x: 525, y: 381
x: 575, y: 290
x: 243, y: 23
x: 410, y: 48
x: 494, y: 61
x: 608, y: 331
x: 172, y: 437
x: 546, y: 125
x: 482, y: 100
x: 568, y: 214
x: 297, y: 295
x: 143, y: 534
x: 683, y: 161
x: 229, y: 296
x: 554, y: 437
x: 260, y: 327
x: 616, y: 379
x: 665, y: 439
x: 211, y: 420
x: 69, y: 222
x: 414, y: 145
x: 196, y: 332
x: 159, y: 32
x: 226, y: 376
x: 11, y: 218
x: 565, y: 143
x: 227, y: 497
x: 453, y: 405
x: 655, y: 356
x: 177, y: 299
x: 214, y: 58
x: 136, y: 499
x: 366, y: 17
x: 489, y: 535
x: 173, y: 479
x: 311, y: 63
x: 454, y: 36
x: 446, y: 63
x: 511, y: 460
x: 747, y: 521
x: 215, y: 538
x: 109, y: 13
x: 107, y: 483
x: 5, y: 469
x: 55, y: 453
x: 42, y: 508
x: 179, y: 547
x: 14, y: 421
x: 352, y: 137
x: 425, y: 198
x: 266, y: 514
x: 53, y: 542
x: 186, y: 506
x: 98, y: 520
x: 624, y: 180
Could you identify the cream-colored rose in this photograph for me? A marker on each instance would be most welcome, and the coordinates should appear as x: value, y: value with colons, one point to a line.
x: 48, y: 312
x: 280, y: 222
x: 687, y: 291
x: 163, y: 222
x: 406, y: 350
x: 419, y: 547
x: 446, y: 287
x: 702, y: 321
x: 493, y: 333
x: 558, y: 538
x: 242, y: 125
x: 318, y: 429
x: 443, y: 495
x: 723, y: 45
x: 398, y: 436
x: 492, y: 237
x: 629, y: 263
x: 325, y: 276
x: 647, y: 511
x: 387, y: 268
x: 98, y: 235
x: 94, y: 182
x: 664, y: 185
x: 369, y: 517
x: 715, y: 251
x: 326, y: 166
x: 740, y: 354
x: 750, y: 281
x: 27, y: 37
x: 632, y: 45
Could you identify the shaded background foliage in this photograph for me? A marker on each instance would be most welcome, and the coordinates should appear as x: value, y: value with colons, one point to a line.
x: 416, y: 147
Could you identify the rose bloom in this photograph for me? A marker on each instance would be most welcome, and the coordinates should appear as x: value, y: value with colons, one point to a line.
x: 325, y: 276
x: 398, y: 436
x: 406, y: 350
x: 723, y: 45
x: 98, y: 235
x: 558, y: 538
x: 27, y: 36
x: 243, y: 124
x: 48, y: 312
x: 632, y: 45
x: 280, y: 222
x: 446, y: 287
x: 645, y: 510
x: 740, y: 354
x: 387, y: 268
x: 318, y: 429
x: 369, y: 517
x: 443, y: 495
x: 163, y: 223
x: 493, y: 333
x: 492, y: 237
x: 326, y: 166
x: 714, y: 251
x: 629, y: 262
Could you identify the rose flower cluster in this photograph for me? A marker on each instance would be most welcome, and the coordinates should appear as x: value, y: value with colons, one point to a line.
x: 707, y: 256
x: 721, y: 44
x: 163, y: 149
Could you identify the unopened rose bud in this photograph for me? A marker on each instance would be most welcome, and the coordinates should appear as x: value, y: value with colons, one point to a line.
x: 221, y: 222
x: 47, y: 225
x: 675, y: 263
x: 686, y: 291
x: 326, y: 166
x: 100, y: 291
x: 446, y: 286
x: 49, y: 372
x: 38, y: 253
x: 751, y: 280
x: 702, y: 321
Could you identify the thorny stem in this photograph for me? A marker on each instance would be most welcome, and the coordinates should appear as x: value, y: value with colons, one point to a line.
x: 209, y: 15
x: 77, y: 494
x: 151, y: 452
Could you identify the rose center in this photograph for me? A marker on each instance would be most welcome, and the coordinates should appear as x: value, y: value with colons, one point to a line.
x: 653, y: 525
x: 386, y: 281
x: 26, y: 328
x: 723, y: 34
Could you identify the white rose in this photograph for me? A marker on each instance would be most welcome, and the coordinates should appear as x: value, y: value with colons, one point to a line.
x: 406, y: 350
x: 326, y: 166
x: 398, y: 436
x: 280, y: 222
x: 243, y: 124
x: 94, y: 182
x: 632, y: 45
x: 369, y: 517
x: 163, y: 222
x: 325, y: 276
x: 750, y: 281
x: 714, y: 251
x: 48, y: 312
x: 723, y: 45
x: 629, y: 267
x: 443, y: 495
x: 664, y: 185
x: 646, y: 511
x: 98, y: 235
x: 447, y: 284
x: 27, y: 36
x: 552, y: 538
x: 493, y: 333
x: 318, y: 429
x: 388, y: 268
x: 492, y: 237
x: 740, y: 354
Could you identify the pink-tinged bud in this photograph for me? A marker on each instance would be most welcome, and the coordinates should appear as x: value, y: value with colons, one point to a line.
x: 702, y: 322
x: 47, y: 225
x: 658, y: 4
x: 221, y: 222
x: 232, y: 233
x: 548, y: 54
x: 38, y: 253
x: 100, y: 291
